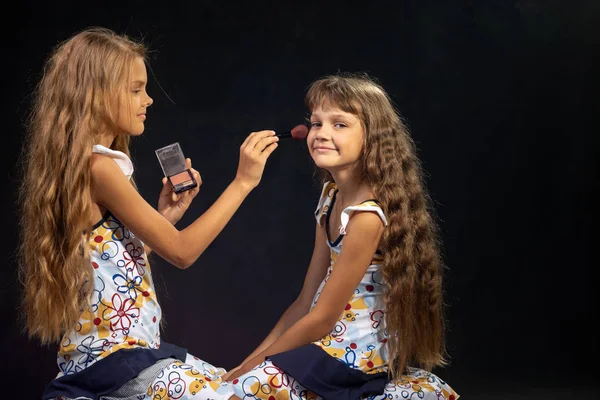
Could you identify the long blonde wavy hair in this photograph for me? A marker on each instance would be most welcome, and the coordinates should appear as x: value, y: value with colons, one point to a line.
x: 76, y: 99
x: 412, y: 266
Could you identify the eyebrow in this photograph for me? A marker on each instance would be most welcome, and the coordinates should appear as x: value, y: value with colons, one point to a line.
x: 139, y: 82
x: 316, y: 115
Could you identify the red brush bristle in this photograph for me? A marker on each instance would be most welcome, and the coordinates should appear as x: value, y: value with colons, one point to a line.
x: 299, y: 132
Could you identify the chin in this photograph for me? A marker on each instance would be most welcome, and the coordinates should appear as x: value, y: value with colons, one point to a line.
x: 324, y: 164
x: 323, y: 161
x: 137, y: 132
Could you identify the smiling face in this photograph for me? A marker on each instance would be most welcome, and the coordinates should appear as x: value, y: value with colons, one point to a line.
x: 135, y: 101
x: 335, y: 139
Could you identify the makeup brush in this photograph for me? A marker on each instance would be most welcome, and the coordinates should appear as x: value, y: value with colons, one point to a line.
x: 298, y: 132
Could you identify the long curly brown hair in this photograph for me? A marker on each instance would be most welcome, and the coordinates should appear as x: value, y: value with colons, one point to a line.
x: 76, y: 99
x: 412, y: 266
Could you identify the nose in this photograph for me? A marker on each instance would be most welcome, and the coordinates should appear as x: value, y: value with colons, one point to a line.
x: 149, y: 101
x: 322, y: 133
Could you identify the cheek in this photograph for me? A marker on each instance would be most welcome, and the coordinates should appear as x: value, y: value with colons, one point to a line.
x: 123, y: 120
x: 310, y: 139
x: 133, y: 106
x: 358, y: 142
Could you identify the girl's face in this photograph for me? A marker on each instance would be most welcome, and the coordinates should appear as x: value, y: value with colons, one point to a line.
x: 132, y: 113
x: 335, y: 139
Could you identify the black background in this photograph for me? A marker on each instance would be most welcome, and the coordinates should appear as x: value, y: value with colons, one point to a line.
x: 500, y: 96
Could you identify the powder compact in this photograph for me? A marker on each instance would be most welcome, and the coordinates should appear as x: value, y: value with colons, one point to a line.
x: 172, y: 162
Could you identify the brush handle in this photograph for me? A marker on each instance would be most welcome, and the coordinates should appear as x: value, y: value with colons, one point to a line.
x: 284, y: 135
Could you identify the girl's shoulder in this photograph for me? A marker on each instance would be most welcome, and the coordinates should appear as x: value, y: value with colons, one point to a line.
x: 325, y: 200
x: 120, y: 158
x: 371, y: 205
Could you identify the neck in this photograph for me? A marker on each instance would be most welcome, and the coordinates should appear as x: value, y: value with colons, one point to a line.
x: 106, y: 139
x: 351, y: 189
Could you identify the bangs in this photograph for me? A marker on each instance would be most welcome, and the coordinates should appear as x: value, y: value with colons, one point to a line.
x: 335, y: 93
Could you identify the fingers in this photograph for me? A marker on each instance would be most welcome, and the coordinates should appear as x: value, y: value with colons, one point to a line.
x: 196, y: 175
x: 188, y: 195
x: 269, y: 150
x: 258, y: 152
x: 266, y: 142
x: 254, y: 138
x: 198, y: 179
x: 248, y: 138
x: 166, y: 189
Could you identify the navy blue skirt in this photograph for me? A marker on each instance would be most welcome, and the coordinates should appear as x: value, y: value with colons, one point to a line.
x: 110, y: 373
x: 326, y: 376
